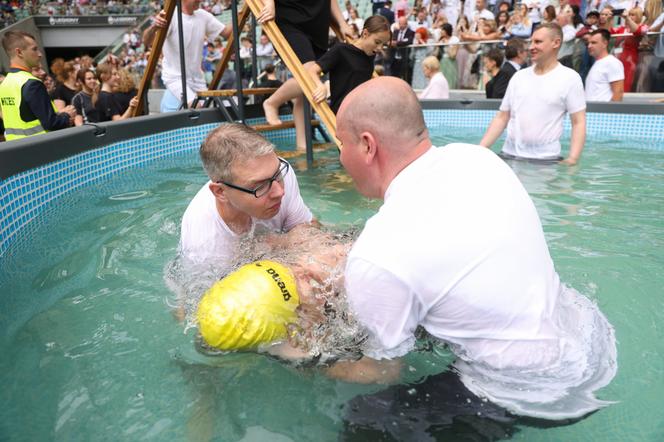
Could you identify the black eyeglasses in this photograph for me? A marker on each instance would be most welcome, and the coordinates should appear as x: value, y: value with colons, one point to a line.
x: 264, y: 187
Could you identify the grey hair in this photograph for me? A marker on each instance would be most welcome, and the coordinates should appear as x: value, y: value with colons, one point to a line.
x: 229, y: 143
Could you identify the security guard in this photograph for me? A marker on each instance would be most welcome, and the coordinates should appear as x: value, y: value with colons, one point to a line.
x: 26, y: 107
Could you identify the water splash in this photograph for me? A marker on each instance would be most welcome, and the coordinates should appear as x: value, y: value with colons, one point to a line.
x: 317, y: 257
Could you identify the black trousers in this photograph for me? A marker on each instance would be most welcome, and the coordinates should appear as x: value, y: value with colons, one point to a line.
x: 440, y: 408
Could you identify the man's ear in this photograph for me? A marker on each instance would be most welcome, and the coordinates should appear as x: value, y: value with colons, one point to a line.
x: 369, y: 147
x: 219, y: 191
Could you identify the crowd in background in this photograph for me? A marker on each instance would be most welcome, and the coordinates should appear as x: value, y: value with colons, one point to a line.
x: 99, y: 93
x: 469, y: 48
x: 14, y: 10
x: 423, y: 28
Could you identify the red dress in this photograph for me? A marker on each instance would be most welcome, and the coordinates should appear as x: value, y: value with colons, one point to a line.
x: 630, y: 52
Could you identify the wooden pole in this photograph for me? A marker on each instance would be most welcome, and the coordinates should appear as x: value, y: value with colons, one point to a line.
x: 155, y: 52
x: 301, y: 75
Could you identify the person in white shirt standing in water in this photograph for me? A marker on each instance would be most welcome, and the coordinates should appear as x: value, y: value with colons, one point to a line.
x: 606, y: 79
x: 457, y: 248
x: 535, y: 104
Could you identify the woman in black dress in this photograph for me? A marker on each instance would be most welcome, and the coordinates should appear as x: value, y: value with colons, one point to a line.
x: 305, y: 25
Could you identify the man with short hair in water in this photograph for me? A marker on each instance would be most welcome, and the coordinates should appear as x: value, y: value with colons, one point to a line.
x: 535, y: 104
x: 606, y: 79
x: 457, y: 248
x: 249, y: 187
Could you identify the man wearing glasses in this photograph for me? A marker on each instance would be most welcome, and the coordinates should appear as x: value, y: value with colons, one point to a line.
x: 250, y: 188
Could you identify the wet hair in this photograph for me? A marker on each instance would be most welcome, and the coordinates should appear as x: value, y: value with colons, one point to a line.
x: 375, y: 24
x: 606, y: 35
x: 15, y: 39
x: 228, y: 144
x: 496, y: 55
x: 513, y: 47
x: 554, y: 30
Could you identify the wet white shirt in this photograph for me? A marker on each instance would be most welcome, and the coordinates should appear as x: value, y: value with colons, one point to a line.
x: 205, y: 237
x: 196, y: 28
x: 537, y: 106
x: 458, y: 248
x: 605, y: 71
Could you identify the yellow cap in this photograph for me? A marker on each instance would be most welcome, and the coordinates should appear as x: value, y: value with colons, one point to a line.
x: 249, y: 307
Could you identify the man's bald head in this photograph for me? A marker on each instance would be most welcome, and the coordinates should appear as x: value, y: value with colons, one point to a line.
x: 386, y: 107
x: 403, y: 22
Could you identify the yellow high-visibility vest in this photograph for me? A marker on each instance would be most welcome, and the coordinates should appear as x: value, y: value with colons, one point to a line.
x: 10, y: 101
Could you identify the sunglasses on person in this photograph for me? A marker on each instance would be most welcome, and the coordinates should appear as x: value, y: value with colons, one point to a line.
x: 264, y: 187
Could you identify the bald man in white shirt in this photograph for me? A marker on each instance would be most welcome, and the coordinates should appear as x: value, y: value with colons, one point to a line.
x: 458, y: 249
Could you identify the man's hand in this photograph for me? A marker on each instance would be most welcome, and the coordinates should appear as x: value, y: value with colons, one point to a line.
x: 267, y: 13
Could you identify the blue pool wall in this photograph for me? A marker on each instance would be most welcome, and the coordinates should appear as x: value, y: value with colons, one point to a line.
x: 35, y: 174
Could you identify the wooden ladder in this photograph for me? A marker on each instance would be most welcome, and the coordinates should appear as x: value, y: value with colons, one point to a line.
x: 285, y: 52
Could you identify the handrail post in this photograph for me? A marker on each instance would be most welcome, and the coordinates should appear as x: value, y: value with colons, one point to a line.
x: 238, y: 67
x: 183, y: 66
x: 307, y: 134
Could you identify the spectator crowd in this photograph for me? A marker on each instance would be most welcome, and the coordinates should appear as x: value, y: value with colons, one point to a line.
x: 471, y: 39
x: 435, y: 46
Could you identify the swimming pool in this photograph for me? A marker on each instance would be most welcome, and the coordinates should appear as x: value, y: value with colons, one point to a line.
x: 91, y: 351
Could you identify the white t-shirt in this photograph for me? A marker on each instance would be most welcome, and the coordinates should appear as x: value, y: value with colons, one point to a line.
x: 437, y: 89
x: 605, y: 71
x: 205, y: 237
x: 458, y: 248
x: 537, y: 105
x: 195, y: 27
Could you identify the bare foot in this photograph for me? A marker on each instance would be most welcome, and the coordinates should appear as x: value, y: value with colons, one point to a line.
x: 271, y: 113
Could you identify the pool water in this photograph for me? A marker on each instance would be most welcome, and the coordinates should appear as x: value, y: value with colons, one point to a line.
x: 91, y: 351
